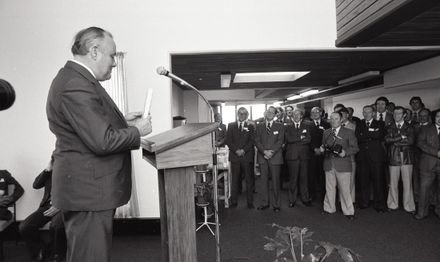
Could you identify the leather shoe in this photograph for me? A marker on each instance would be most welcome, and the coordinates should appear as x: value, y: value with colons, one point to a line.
x: 323, y: 212
x: 419, y: 217
x: 263, y: 207
x: 350, y: 217
x: 380, y: 210
x: 276, y: 209
x: 291, y: 204
x: 307, y: 203
x: 251, y: 206
x: 411, y: 212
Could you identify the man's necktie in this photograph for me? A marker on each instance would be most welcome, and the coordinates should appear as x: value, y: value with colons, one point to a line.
x: 317, y: 123
x: 333, y: 131
x: 368, y: 124
x: 297, y: 126
x: 241, y: 126
x: 399, y: 126
x: 415, y: 116
x: 381, y: 117
x: 268, y: 128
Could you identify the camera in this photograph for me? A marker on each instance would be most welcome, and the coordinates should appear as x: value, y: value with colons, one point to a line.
x: 332, y: 150
x: 7, y: 95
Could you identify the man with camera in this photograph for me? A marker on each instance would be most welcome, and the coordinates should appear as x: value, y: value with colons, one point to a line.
x: 338, y: 145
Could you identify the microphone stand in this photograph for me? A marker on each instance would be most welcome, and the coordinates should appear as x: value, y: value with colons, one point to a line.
x: 214, y: 169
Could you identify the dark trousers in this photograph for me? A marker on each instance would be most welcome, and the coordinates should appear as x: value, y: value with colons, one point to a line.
x: 89, y: 235
x: 273, y: 171
x: 298, y: 170
x: 29, y: 231
x: 242, y: 169
x: 316, y: 177
x: 427, y: 180
x: 372, y: 172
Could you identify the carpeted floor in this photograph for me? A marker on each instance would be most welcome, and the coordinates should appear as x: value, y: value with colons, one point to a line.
x: 389, y: 237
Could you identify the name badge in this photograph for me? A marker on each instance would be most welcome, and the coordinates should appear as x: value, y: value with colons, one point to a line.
x: 321, y: 127
x: 275, y: 132
x: 246, y: 129
x: 304, y: 131
x: 371, y: 129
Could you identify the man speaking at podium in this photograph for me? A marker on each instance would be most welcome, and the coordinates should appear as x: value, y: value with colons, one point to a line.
x: 92, y: 160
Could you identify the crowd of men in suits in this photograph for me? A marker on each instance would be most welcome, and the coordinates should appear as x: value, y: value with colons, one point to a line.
x: 361, y: 161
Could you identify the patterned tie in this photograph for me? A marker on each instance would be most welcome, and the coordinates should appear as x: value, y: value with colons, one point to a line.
x: 334, y: 131
x: 381, y: 117
x: 268, y: 128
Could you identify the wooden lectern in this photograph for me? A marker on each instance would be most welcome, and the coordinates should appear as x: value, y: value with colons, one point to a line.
x: 175, y: 153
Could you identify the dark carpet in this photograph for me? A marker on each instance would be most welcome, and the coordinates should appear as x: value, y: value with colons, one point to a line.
x: 392, y: 236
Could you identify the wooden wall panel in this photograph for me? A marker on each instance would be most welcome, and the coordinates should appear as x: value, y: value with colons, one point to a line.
x: 366, y: 13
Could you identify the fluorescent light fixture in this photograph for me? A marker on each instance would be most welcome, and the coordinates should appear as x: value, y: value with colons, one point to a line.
x: 359, y: 78
x: 223, y: 104
x: 269, y: 77
x: 294, y: 97
x: 309, y: 93
x: 225, y: 80
x: 276, y: 104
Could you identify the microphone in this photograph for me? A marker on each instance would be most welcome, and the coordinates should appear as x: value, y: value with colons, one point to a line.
x: 164, y: 72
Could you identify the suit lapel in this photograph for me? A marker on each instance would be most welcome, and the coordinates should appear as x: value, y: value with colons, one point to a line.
x: 100, y: 90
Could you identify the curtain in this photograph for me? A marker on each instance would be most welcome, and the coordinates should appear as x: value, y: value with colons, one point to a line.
x: 116, y: 87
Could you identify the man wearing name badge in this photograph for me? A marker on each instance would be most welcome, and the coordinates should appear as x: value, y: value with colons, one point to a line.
x: 240, y: 140
x: 91, y: 174
x: 269, y: 139
x: 316, y: 169
x: 428, y: 142
x: 371, y: 159
x: 297, y: 137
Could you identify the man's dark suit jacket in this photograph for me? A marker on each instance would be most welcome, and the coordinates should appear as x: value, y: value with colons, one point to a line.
x: 316, y: 133
x: 270, y: 141
x: 220, y: 134
x: 396, y: 144
x: 92, y: 160
x: 388, y: 118
x: 371, y: 141
x: 347, y: 139
x: 7, y: 179
x: 428, y: 143
x: 297, y: 147
x: 236, y: 139
x: 44, y: 179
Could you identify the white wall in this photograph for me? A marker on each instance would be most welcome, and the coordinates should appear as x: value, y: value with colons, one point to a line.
x: 400, y: 84
x: 36, y: 38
